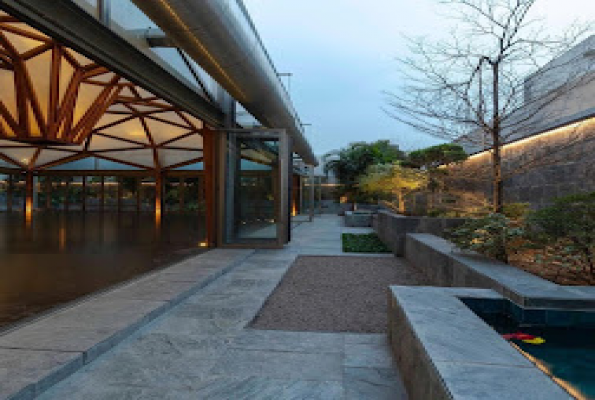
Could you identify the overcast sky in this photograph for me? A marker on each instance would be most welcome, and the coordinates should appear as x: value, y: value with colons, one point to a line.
x: 341, y: 54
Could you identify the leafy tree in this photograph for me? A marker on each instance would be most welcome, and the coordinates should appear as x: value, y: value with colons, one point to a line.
x: 473, y: 87
x: 431, y: 159
x: 393, y: 180
x: 348, y: 163
x: 436, y: 156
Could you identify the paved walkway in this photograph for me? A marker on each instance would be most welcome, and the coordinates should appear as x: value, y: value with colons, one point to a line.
x: 201, y: 349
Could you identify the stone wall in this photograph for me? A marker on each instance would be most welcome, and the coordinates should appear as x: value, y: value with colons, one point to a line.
x: 537, y: 169
x: 393, y: 228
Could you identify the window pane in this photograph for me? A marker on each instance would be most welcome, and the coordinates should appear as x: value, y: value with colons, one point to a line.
x: 3, y: 192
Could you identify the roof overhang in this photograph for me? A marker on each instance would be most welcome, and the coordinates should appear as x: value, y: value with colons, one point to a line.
x: 219, y: 36
x: 67, y: 22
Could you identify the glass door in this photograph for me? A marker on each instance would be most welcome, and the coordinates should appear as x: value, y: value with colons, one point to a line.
x: 256, y: 189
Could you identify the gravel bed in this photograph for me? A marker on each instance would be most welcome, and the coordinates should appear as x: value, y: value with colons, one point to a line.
x: 338, y: 294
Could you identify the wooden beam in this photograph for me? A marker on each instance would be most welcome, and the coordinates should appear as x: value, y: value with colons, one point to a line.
x: 183, y: 164
x: 54, y: 97
x: 131, y: 164
x: 107, y: 135
x: 36, y: 51
x: 85, y: 125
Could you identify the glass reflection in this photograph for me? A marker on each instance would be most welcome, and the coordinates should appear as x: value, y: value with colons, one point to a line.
x: 252, y: 189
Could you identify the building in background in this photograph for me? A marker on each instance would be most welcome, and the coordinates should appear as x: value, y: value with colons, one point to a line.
x: 554, y: 155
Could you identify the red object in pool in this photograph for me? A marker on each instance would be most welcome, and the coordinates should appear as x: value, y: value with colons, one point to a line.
x: 519, y: 336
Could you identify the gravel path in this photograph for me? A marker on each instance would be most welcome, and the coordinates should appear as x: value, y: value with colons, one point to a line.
x: 338, y: 294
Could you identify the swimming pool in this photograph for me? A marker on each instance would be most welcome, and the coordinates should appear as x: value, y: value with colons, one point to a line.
x: 568, y: 354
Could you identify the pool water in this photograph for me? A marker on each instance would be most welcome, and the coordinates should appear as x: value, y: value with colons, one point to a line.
x: 59, y: 257
x: 568, y: 354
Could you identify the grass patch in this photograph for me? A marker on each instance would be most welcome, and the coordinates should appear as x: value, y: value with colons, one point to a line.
x: 363, y: 243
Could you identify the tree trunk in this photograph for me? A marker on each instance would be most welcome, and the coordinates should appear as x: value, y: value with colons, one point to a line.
x: 401, y: 202
x: 497, y: 182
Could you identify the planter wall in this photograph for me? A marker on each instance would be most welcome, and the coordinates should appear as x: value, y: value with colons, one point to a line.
x: 445, y: 266
x: 392, y: 228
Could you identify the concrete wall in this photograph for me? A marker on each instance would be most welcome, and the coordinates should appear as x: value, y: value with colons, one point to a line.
x: 392, y: 228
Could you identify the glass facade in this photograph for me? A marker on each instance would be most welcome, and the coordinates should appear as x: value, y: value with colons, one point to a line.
x: 256, y: 181
x: 4, y: 191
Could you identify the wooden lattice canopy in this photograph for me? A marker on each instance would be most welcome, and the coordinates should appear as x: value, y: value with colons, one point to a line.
x: 58, y: 106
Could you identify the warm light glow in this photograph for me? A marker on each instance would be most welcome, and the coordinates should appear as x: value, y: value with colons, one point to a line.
x: 101, y: 112
x: 179, y: 20
x: 203, y: 244
x: 294, y: 210
x: 546, y: 370
x: 62, y: 238
x: 28, y: 213
x: 545, y: 135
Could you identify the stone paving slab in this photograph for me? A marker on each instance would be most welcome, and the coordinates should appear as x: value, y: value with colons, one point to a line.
x: 306, y: 342
x: 36, y: 355
x: 373, y: 383
x: 201, y: 348
x: 280, y: 365
x: 37, y: 370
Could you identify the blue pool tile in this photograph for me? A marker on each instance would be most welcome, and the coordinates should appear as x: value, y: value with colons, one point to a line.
x: 586, y: 319
x: 561, y: 318
x: 534, y: 317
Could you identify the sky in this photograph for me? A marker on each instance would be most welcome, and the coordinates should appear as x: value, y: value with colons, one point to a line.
x: 341, y: 54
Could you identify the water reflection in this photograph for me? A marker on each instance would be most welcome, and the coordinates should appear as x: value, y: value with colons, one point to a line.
x: 54, y: 258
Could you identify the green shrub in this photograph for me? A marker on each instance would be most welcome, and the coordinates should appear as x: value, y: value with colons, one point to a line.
x: 363, y: 243
x: 494, y: 235
x: 517, y: 211
x: 569, y: 225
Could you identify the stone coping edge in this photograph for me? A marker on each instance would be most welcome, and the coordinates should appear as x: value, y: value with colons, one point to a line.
x: 445, y: 266
x: 100, y: 322
x: 392, y: 228
x: 446, y: 352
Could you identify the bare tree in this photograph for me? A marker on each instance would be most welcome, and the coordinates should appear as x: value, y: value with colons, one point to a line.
x: 492, y: 81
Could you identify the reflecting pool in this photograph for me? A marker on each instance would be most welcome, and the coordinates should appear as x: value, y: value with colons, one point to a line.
x: 568, y: 352
x: 55, y: 258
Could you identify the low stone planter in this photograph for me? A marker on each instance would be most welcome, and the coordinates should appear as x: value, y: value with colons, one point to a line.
x: 446, y: 266
x: 355, y: 219
x: 446, y: 352
x: 392, y: 228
